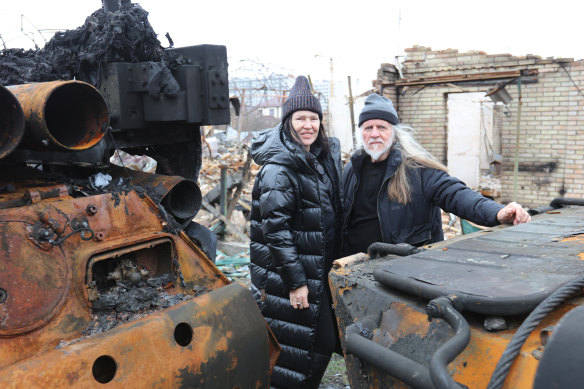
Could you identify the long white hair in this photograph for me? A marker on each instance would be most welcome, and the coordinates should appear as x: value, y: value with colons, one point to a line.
x: 414, y: 155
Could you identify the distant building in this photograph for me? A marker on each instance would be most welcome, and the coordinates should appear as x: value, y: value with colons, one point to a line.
x: 261, y: 99
x: 470, y: 108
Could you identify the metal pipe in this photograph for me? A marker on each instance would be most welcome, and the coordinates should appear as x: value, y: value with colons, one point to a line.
x: 380, y: 249
x: 443, y: 308
x: 404, y: 369
x: 179, y: 196
x: 111, y: 5
x: 223, y: 194
x: 12, y: 122
x: 351, y: 112
x: 517, y: 138
x: 66, y: 115
x: 183, y: 200
x: 559, y: 202
x: 485, y: 305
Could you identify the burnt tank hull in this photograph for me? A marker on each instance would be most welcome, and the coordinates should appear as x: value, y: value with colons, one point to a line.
x: 103, y: 277
x: 493, y: 282
x: 104, y: 287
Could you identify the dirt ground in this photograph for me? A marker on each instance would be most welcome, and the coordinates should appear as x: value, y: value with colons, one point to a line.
x: 335, y: 376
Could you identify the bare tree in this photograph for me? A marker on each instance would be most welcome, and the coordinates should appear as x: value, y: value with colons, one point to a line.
x: 261, y: 89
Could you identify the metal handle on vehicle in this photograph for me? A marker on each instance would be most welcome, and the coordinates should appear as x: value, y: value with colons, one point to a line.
x: 405, y: 369
x: 443, y: 308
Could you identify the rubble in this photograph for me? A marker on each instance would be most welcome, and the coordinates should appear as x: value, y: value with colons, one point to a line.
x: 121, y: 36
x: 126, y: 300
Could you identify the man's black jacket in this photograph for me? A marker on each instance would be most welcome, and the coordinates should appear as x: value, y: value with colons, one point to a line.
x: 418, y: 222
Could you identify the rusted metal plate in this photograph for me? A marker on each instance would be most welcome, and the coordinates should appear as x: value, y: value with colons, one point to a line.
x: 217, y: 340
x: 53, y: 275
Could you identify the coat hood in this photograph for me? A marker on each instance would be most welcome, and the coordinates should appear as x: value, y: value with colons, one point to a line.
x: 271, y: 146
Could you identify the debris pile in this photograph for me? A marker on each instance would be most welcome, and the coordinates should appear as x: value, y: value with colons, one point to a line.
x: 129, y: 299
x: 231, y: 224
x: 121, y: 36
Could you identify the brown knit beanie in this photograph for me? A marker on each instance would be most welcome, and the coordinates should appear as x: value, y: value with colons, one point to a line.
x: 300, y: 99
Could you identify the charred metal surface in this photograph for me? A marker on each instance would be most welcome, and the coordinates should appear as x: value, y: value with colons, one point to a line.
x: 197, y: 343
x: 180, y: 197
x: 130, y: 299
x: 99, y: 283
x: 70, y: 115
x: 12, y: 122
x: 490, y: 268
x: 143, y: 83
x: 81, y: 262
x: 122, y: 36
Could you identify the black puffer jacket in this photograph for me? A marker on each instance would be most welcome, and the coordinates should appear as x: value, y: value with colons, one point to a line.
x: 418, y: 222
x: 295, y: 236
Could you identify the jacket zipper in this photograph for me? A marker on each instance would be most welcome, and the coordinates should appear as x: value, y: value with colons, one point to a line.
x: 348, y: 213
x: 377, y: 206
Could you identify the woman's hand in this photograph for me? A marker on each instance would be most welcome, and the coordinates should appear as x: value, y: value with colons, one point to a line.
x: 299, y: 297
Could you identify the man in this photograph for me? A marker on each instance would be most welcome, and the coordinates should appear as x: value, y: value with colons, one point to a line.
x: 394, y: 188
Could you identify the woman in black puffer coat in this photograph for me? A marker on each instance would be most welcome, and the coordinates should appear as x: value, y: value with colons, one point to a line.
x: 295, y: 236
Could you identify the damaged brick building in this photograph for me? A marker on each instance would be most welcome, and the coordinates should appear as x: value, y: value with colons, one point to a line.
x: 471, y: 110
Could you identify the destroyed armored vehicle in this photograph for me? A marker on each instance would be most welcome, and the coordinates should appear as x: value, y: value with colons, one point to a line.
x: 104, y: 277
x: 498, y: 308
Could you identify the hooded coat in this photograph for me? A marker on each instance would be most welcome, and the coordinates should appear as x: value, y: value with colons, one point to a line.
x: 418, y: 222
x: 295, y: 236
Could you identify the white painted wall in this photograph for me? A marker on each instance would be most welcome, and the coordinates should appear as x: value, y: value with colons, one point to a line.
x: 470, y: 131
x: 341, y: 120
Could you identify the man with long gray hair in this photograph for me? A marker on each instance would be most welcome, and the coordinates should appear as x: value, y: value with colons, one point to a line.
x: 394, y: 188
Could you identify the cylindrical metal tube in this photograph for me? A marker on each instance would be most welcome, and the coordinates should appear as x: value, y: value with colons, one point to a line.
x: 66, y: 115
x: 443, y: 308
x: 111, y: 5
x: 403, y: 368
x: 181, y: 197
x: 12, y: 122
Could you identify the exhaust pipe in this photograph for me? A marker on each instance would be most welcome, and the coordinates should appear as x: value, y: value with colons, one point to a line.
x: 179, y: 196
x: 12, y: 122
x: 63, y: 115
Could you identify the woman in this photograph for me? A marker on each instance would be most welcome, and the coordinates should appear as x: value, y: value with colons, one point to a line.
x: 295, y: 235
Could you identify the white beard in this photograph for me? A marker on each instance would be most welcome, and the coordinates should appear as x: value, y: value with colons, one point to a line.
x: 376, y: 154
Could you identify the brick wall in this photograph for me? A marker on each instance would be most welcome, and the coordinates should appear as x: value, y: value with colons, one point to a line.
x: 551, y: 132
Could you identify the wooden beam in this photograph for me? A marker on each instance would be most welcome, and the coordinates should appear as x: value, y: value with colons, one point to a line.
x: 232, y: 228
x: 459, y: 78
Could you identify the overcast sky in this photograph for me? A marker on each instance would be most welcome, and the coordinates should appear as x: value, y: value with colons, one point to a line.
x: 301, y: 36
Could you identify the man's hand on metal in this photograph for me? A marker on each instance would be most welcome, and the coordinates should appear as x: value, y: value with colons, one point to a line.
x: 513, y: 213
x: 299, y: 297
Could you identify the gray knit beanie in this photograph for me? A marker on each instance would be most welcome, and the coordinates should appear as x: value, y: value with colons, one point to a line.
x: 300, y: 98
x: 378, y: 107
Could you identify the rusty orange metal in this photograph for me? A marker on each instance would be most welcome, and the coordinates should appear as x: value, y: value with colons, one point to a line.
x: 52, y: 245
x: 179, y: 347
x: 577, y: 239
x: 66, y: 115
x: 180, y: 196
x: 475, y: 365
x: 12, y: 122
x: 393, y: 315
